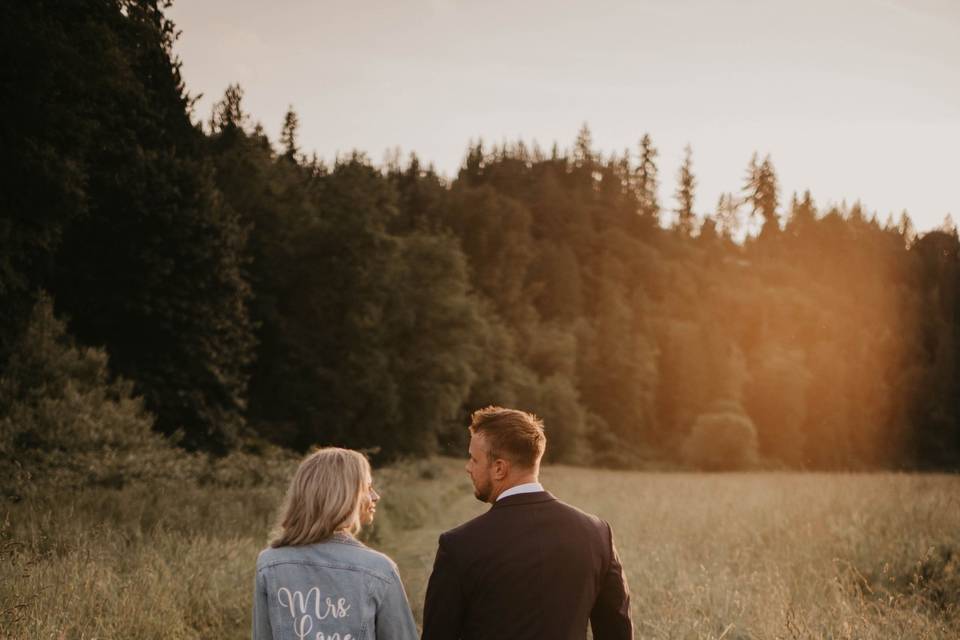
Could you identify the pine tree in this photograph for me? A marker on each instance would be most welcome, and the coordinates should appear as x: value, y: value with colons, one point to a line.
x: 155, y: 270
x: 227, y: 115
x: 803, y: 214
x: 61, y: 77
x: 646, y: 180
x: 583, y: 148
x: 685, y: 194
x: 472, y: 169
x: 906, y: 229
x: 288, y: 134
x: 727, y: 216
x: 761, y: 193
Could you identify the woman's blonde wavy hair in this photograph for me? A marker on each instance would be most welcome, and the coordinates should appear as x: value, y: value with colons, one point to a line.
x: 324, y: 496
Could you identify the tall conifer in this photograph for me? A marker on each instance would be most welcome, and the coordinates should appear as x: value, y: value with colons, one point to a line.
x: 646, y: 179
x: 686, y: 182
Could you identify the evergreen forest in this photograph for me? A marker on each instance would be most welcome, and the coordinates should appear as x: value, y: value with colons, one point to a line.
x: 234, y: 292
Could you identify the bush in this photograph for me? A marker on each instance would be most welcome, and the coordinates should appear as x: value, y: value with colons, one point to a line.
x: 64, y: 422
x: 267, y: 466
x: 723, y: 438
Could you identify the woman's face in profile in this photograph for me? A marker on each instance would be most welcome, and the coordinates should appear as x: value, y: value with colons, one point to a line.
x: 368, y: 503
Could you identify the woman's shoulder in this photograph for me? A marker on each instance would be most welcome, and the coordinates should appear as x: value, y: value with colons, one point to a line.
x: 274, y: 555
x: 378, y: 561
x: 343, y: 551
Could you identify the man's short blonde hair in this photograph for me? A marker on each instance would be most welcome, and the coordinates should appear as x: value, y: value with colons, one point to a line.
x: 511, y: 435
x: 324, y: 496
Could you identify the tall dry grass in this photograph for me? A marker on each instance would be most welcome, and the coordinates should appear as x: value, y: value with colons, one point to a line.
x: 707, y: 556
x: 782, y: 555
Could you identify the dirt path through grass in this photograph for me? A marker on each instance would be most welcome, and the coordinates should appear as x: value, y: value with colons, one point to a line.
x: 420, y: 502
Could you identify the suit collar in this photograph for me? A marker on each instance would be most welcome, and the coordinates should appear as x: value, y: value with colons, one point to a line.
x: 523, y: 498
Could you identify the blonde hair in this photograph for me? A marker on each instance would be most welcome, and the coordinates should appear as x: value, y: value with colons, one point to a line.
x: 324, y: 496
x: 511, y: 434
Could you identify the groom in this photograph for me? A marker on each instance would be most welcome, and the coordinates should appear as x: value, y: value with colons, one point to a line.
x: 532, y: 567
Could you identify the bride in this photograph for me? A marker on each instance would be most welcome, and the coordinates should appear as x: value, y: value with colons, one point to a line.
x: 316, y: 580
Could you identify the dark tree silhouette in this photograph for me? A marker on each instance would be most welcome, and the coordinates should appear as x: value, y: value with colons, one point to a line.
x: 686, y: 183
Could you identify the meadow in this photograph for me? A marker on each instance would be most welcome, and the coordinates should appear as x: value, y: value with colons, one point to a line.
x: 739, y: 555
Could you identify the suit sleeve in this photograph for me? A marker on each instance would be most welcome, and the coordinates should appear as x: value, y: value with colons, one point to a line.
x: 444, y: 605
x: 261, y: 617
x: 610, y: 617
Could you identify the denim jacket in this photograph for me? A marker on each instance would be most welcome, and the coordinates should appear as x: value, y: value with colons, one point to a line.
x: 333, y: 590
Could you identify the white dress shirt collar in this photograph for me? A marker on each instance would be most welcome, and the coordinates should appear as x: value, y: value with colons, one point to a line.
x: 527, y: 487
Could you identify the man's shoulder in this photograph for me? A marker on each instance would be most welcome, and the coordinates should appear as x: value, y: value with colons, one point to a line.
x: 491, y: 521
x: 577, y: 512
x: 466, y: 530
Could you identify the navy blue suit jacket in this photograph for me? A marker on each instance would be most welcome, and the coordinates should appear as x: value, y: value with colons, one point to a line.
x: 530, y: 568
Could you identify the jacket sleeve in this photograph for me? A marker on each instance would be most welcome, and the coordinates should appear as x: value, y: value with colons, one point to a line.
x: 610, y: 617
x: 394, y: 618
x: 261, y: 617
x: 443, y: 606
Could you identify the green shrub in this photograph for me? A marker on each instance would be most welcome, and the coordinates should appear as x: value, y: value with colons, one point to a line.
x: 270, y: 466
x: 723, y: 438
x: 64, y: 422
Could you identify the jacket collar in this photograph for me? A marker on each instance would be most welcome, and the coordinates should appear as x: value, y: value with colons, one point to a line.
x: 523, y: 498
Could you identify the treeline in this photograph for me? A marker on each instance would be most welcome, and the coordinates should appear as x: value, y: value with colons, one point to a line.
x: 254, y: 294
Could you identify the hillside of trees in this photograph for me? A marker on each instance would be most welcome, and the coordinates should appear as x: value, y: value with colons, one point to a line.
x: 253, y: 294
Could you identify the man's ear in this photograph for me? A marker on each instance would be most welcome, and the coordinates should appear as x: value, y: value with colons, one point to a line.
x: 501, y: 469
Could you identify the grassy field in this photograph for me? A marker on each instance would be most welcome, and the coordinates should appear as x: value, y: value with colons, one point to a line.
x: 778, y: 555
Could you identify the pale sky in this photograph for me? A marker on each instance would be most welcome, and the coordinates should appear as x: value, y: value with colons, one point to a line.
x: 853, y: 99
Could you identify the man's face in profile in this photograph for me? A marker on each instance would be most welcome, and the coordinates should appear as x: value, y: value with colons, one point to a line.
x: 479, y: 468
